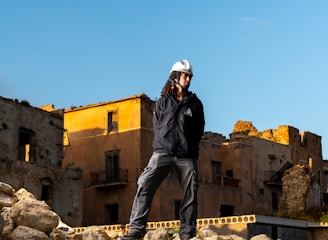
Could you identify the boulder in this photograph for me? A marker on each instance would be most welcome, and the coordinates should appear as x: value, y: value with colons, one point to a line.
x: 57, y: 234
x: 23, y: 194
x: 27, y: 233
x: 261, y: 237
x: 9, y: 225
x: 7, y: 198
x: 159, y: 234
x: 6, y: 188
x: 95, y: 233
x: 34, y: 214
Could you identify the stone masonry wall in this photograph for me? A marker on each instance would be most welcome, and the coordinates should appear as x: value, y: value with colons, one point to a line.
x: 296, y: 184
x: 45, y: 130
x: 31, y: 153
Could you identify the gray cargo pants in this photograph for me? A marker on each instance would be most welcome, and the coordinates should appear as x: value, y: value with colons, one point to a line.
x: 157, y: 169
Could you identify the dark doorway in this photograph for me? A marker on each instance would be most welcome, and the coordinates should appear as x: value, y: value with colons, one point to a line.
x: 227, y: 210
x: 177, y: 205
x: 111, y: 213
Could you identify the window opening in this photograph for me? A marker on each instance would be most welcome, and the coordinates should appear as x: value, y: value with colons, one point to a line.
x: 216, y: 170
x: 275, y: 200
x: 229, y: 173
x: 24, y: 145
x: 46, y: 191
x: 112, y: 121
x: 112, y: 166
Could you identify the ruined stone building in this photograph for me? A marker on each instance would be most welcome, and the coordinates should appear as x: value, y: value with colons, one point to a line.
x: 112, y: 142
x: 268, y: 155
x: 31, y: 154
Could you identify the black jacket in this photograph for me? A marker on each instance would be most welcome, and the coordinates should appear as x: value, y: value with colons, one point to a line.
x: 178, y: 126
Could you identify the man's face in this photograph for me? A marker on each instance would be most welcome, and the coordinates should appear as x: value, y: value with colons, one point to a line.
x: 185, y: 79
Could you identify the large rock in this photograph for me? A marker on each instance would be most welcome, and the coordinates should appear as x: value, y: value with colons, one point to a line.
x: 57, y: 234
x: 27, y: 233
x: 27, y: 218
x: 8, y: 222
x: 34, y: 214
x: 213, y: 232
x: 6, y: 188
x: 23, y: 194
x: 95, y: 233
x: 158, y: 234
x: 7, y: 198
x: 261, y: 237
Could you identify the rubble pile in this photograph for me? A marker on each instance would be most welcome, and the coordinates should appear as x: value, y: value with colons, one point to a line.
x: 23, y: 217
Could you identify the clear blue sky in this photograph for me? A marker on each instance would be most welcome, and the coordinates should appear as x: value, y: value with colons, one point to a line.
x: 259, y: 61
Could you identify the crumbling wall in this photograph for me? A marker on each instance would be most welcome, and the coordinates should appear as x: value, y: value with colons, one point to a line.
x: 213, y: 137
x: 284, y: 134
x: 296, y: 184
x: 64, y: 192
x: 304, y: 145
x: 46, y: 130
x: 246, y: 128
x: 40, y: 171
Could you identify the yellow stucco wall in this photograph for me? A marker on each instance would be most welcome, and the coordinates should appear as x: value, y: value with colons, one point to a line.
x: 92, y: 120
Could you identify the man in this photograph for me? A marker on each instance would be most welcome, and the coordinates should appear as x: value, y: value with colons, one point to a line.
x: 178, y: 122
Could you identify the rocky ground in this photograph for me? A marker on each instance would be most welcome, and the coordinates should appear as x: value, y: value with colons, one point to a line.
x: 23, y: 217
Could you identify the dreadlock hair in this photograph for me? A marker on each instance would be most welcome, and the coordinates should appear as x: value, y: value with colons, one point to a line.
x: 169, y: 87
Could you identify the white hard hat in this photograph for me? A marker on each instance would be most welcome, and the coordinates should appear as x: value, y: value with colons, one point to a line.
x: 182, y: 66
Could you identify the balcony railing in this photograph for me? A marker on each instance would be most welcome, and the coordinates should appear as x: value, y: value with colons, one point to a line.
x: 103, y: 178
x: 226, y: 181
